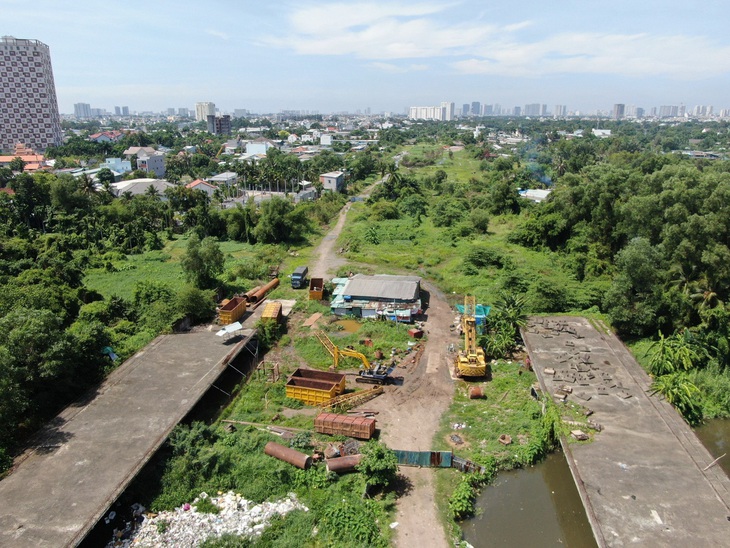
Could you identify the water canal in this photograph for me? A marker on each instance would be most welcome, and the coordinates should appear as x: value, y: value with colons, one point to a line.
x: 715, y: 436
x: 536, y: 506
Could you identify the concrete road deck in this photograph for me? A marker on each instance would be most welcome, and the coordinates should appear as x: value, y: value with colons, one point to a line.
x: 92, y: 450
x: 641, y: 479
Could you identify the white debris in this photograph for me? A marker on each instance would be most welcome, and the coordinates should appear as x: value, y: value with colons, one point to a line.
x: 186, y: 527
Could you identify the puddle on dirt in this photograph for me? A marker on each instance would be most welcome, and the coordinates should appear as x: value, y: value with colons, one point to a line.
x: 537, y: 506
x: 349, y: 326
x: 715, y: 436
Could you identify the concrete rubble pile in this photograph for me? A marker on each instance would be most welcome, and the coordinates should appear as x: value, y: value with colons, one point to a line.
x: 187, y: 527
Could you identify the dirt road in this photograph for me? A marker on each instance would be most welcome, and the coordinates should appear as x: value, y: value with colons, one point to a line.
x: 410, y: 414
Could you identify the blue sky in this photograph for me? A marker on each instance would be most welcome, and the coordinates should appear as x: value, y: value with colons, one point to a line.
x: 386, y: 55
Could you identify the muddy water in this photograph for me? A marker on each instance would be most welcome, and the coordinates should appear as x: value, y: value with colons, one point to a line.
x: 715, y: 435
x: 537, y: 506
x: 349, y: 326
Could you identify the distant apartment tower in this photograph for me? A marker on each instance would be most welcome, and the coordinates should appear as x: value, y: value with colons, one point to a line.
x: 28, y: 104
x: 125, y: 111
x: 203, y: 110
x: 82, y: 110
x: 668, y: 111
x: 240, y: 113
x: 476, y: 108
x: 448, y: 110
x: 183, y: 112
x: 517, y: 111
x: 426, y: 113
x: 560, y: 111
x: 219, y: 125
x: 465, y: 109
x: 533, y: 109
x: 117, y: 111
x: 619, y: 111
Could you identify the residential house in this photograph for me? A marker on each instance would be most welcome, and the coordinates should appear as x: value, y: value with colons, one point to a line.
x: 228, y: 178
x: 203, y: 186
x: 117, y: 164
x: 107, y: 137
x: 293, y: 138
x: 325, y: 140
x: 259, y: 146
x: 141, y: 186
x: 131, y: 151
x: 32, y: 160
x: 334, y: 181
x: 152, y: 163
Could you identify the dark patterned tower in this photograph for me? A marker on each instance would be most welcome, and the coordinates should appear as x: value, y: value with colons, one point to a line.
x: 28, y: 105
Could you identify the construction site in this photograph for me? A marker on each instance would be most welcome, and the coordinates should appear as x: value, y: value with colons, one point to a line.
x: 378, y: 373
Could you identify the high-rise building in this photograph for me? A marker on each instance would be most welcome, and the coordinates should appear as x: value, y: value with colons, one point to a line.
x: 560, y: 111
x: 448, y: 109
x: 517, y: 111
x: 82, y: 110
x: 183, y: 112
x: 219, y: 125
x: 465, y: 109
x: 619, y: 111
x: 28, y: 104
x: 476, y: 108
x: 203, y: 110
x: 125, y: 111
x: 171, y: 112
x: 533, y: 109
x: 117, y: 111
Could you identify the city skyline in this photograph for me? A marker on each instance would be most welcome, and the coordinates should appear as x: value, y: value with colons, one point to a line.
x: 334, y: 57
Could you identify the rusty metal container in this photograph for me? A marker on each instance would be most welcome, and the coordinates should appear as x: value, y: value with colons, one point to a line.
x: 343, y: 464
x: 316, y: 289
x: 476, y: 392
x: 232, y: 310
x: 261, y: 293
x: 345, y: 425
x: 287, y: 454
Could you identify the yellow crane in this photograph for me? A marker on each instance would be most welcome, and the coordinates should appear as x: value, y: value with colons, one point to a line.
x: 369, y: 374
x: 471, y: 361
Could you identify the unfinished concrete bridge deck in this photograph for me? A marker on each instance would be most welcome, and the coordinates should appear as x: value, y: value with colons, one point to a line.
x: 92, y: 450
x: 644, y: 480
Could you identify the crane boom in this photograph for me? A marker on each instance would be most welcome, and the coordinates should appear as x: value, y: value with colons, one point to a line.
x: 471, y: 362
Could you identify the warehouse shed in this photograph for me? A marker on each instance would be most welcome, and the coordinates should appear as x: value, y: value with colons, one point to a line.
x: 396, y: 298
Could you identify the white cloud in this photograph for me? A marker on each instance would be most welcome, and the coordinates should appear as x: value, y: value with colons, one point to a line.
x: 398, y: 69
x: 217, y: 34
x: 681, y: 57
x: 386, y: 32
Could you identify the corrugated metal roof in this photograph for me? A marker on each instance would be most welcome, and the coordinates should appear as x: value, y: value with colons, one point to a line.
x: 383, y: 286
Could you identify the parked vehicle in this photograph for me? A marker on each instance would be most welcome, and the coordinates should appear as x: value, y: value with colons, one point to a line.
x: 299, y: 278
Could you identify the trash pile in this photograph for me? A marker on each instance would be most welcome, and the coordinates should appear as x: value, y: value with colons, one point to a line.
x: 187, y: 527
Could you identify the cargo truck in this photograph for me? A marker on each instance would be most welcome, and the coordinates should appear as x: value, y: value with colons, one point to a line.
x: 299, y: 278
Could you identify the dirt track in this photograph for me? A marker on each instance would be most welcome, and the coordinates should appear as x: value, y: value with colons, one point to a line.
x: 410, y: 414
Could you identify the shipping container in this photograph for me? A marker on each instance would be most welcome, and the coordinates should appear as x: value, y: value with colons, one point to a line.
x: 232, y: 311
x: 316, y: 289
x: 345, y: 425
x: 272, y: 311
x: 314, y: 387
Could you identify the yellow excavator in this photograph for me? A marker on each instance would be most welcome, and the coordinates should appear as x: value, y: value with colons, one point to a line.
x: 470, y: 362
x: 371, y: 374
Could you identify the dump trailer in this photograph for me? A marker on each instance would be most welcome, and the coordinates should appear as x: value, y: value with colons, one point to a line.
x: 314, y: 387
x: 316, y: 289
x: 232, y: 310
x: 345, y: 425
x: 299, y: 277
